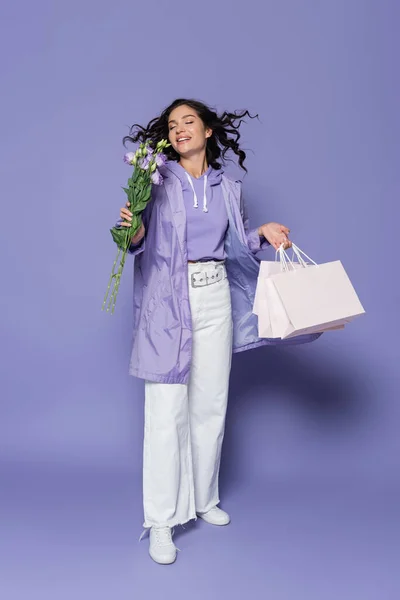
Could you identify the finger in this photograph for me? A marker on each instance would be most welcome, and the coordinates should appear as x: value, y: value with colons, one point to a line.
x: 128, y: 204
x: 125, y: 211
x: 126, y: 216
x: 125, y: 224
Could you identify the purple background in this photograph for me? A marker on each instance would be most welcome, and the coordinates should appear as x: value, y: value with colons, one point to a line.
x: 310, y: 468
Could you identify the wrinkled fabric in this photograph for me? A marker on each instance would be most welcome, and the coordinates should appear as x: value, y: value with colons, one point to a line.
x: 162, y: 320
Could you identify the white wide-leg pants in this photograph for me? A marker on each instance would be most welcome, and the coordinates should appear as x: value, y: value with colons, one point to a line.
x: 184, y: 424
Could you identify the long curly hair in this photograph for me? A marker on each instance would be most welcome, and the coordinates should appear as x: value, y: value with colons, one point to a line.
x: 225, y: 132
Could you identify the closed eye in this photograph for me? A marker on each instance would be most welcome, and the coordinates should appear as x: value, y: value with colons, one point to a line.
x: 186, y: 123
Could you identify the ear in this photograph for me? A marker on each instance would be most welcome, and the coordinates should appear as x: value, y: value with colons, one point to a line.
x: 209, y: 133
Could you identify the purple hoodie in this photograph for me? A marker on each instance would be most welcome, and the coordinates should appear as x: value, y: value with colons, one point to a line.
x: 162, y: 321
x: 206, y: 216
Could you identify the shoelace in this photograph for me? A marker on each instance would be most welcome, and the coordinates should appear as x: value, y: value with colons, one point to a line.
x: 163, y: 536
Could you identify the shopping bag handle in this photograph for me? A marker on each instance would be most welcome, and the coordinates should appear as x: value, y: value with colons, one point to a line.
x: 299, y: 253
x: 285, y: 260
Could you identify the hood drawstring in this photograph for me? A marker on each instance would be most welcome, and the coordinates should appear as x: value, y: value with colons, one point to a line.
x: 196, y: 202
x: 205, y: 207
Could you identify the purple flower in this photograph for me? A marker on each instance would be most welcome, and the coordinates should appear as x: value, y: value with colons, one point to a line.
x: 161, y: 159
x: 129, y: 157
x: 149, y: 149
x: 144, y: 162
x: 156, y: 178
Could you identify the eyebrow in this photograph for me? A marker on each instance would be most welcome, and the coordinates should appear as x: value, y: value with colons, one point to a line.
x: 184, y: 117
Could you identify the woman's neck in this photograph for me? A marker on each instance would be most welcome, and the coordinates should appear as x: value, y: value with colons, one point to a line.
x: 195, y: 165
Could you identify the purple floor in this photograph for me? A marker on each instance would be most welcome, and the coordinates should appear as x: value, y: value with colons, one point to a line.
x: 74, y: 535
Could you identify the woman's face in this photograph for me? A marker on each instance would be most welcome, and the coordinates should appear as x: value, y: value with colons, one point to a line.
x: 187, y: 132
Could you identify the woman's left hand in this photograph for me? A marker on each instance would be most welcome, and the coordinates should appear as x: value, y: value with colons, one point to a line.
x: 276, y: 235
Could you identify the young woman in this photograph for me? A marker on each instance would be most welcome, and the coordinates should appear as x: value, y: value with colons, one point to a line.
x: 195, y: 274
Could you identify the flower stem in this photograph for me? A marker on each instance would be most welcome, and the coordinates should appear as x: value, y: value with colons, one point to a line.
x: 111, y: 278
x: 113, y: 298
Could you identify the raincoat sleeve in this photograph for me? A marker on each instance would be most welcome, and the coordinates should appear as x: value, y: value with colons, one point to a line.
x: 254, y: 241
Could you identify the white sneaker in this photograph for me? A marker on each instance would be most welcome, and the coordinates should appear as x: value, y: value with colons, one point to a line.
x: 215, y: 516
x: 162, y: 549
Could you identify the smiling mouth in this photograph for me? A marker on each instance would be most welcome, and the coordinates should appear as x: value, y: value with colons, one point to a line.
x: 182, y: 140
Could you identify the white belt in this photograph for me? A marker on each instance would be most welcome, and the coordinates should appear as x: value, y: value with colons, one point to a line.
x: 208, y: 276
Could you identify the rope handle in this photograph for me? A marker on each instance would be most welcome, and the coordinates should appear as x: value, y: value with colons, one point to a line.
x: 288, y: 263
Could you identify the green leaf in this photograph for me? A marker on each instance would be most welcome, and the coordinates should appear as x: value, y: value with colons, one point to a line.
x: 119, y: 236
x: 137, y: 221
x: 147, y: 195
x: 144, y: 194
x: 138, y: 195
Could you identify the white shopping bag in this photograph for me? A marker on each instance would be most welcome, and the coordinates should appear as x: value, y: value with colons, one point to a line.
x: 267, y: 300
x: 262, y: 299
x: 310, y: 299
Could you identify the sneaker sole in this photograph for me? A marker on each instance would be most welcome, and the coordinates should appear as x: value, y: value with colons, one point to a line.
x: 213, y: 522
x: 162, y: 561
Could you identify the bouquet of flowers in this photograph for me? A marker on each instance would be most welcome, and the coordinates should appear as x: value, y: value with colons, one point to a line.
x: 146, y: 161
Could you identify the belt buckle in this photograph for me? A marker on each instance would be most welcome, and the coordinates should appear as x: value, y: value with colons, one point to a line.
x: 193, y: 280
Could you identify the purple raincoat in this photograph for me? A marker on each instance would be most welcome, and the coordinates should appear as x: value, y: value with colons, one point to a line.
x: 162, y: 322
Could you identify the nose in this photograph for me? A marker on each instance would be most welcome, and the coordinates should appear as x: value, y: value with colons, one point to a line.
x: 179, y: 129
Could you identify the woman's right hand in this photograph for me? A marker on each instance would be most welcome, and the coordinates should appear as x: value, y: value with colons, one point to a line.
x: 126, y: 217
